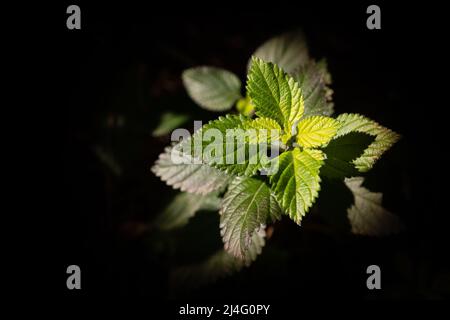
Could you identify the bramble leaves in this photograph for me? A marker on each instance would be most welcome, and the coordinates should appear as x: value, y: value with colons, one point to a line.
x: 289, y: 98
x: 366, y: 215
x: 384, y: 138
x: 297, y: 181
x: 246, y: 208
x: 212, y: 88
x: 316, y: 131
x: 274, y: 93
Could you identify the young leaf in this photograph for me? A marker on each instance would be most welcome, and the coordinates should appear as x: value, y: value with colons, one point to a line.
x: 289, y: 51
x: 297, y: 182
x: 168, y: 122
x: 384, y: 138
x: 316, y: 131
x: 212, y: 88
x: 186, y: 175
x: 246, y: 207
x: 183, y: 207
x: 317, y: 96
x: 245, y: 107
x: 274, y: 93
x: 227, y: 145
x: 367, y: 216
x: 341, y: 152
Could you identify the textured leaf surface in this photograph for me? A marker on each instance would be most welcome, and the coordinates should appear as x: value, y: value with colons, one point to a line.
x: 316, y: 131
x: 187, y: 176
x: 367, y: 216
x: 289, y: 51
x: 275, y: 94
x: 297, y: 181
x: 246, y: 207
x: 212, y: 88
x: 342, y: 151
x: 317, y: 96
x: 234, y: 151
x: 384, y: 138
x: 183, y: 207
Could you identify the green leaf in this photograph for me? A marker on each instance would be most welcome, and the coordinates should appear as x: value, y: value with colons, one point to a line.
x: 317, y: 96
x: 341, y: 152
x: 289, y: 51
x: 297, y: 182
x: 367, y: 216
x: 226, y: 144
x: 168, y: 122
x: 181, y: 172
x: 262, y: 123
x: 212, y: 88
x: 183, y: 207
x: 246, y: 207
x: 316, y: 131
x: 384, y: 138
x: 272, y: 128
x: 274, y: 93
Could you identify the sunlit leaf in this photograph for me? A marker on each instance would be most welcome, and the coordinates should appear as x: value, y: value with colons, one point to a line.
x: 384, y: 138
x: 316, y: 131
x: 297, y: 181
x: 274, y: 93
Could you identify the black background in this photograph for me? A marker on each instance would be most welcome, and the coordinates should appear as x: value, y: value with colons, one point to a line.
x: 128, y: 58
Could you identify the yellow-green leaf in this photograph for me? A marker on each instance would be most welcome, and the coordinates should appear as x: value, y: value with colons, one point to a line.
x: 316, y: 131
x: 296, y: 183
x: 384, y: 138
x: 274, y: 93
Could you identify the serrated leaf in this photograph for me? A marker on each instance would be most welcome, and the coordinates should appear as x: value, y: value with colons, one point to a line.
x: 246, y: 207
x: 270, y: 126
x: 316, y: 131
x: 212, y: 88
x: 227, y: 144
x: 183, y: 207
x: 317, y: 96
x: 384, y: 138
x: 297, y: 182
x: 168, y: 122
x: 288, y: 50
x: 181, y: 172
x: 367, y: 216
x: 341, y: 152
x: 274, y: 93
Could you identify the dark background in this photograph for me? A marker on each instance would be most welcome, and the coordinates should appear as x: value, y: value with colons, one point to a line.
x: 126, y: 62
